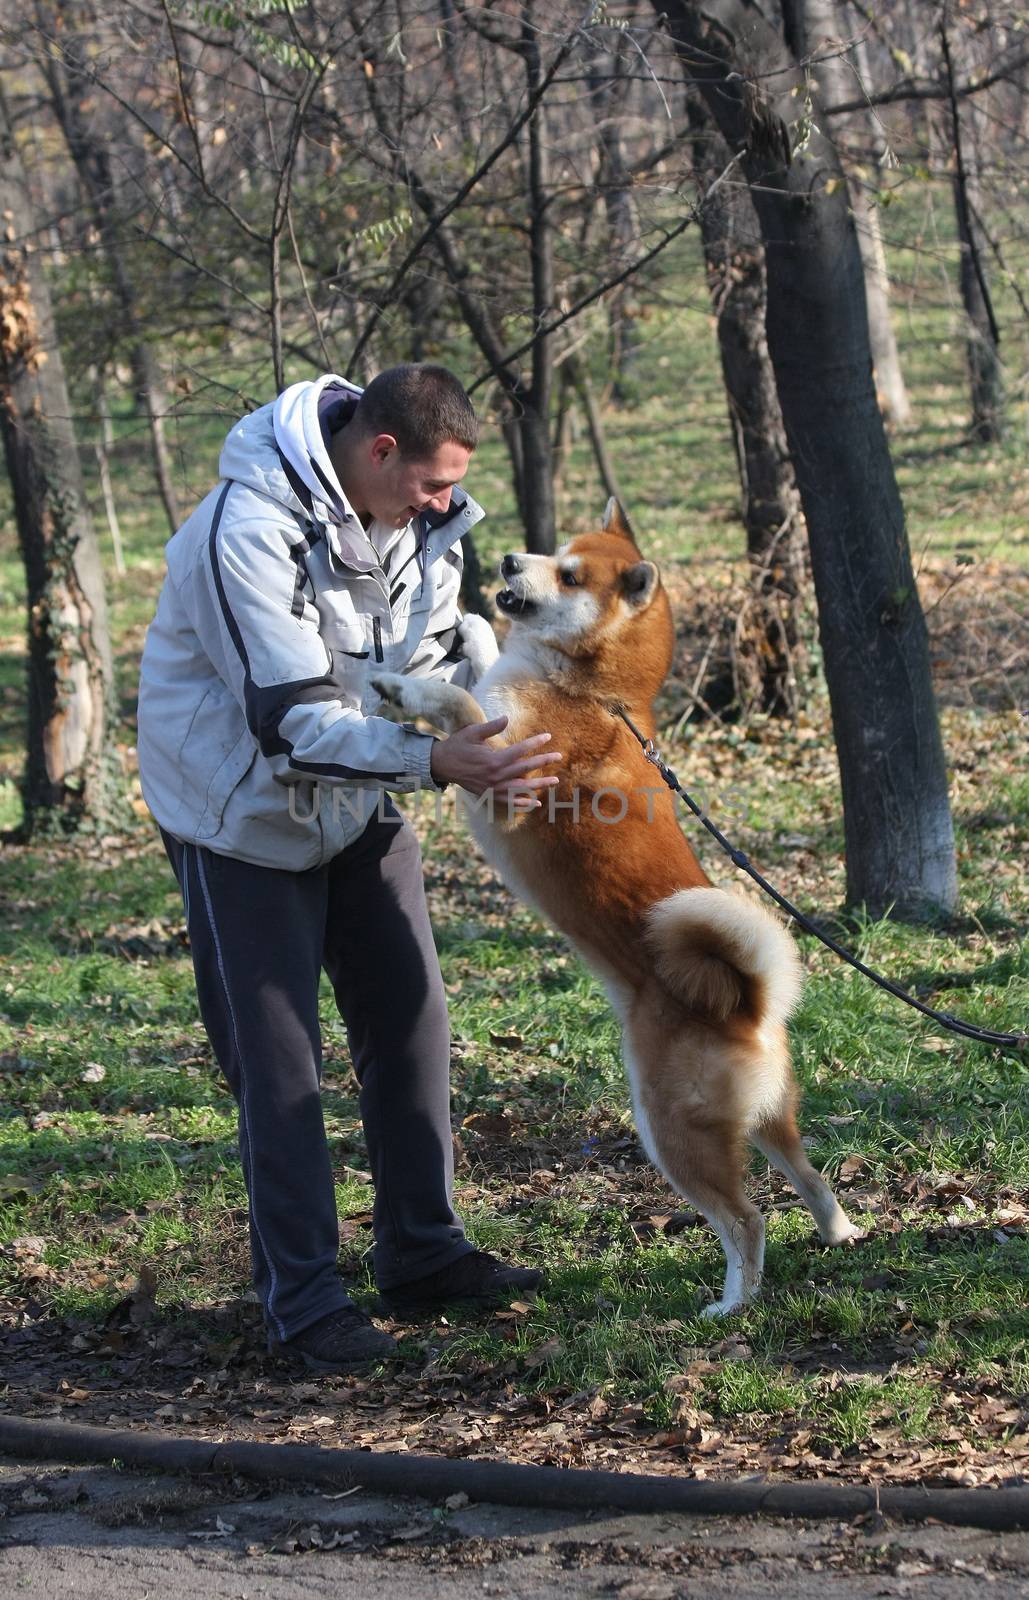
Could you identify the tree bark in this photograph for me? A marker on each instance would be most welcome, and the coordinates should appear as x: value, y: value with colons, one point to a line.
x: 813, y: 31
x: 539, y: 511
x: 103, y: 461
x: 69, y: 654
x: 982, y: 346
x: 898, y: 831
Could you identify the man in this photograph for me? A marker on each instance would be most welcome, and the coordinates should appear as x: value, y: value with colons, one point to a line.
x: 331, y: 545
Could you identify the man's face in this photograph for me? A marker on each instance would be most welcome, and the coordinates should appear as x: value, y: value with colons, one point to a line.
x: 399, y: 487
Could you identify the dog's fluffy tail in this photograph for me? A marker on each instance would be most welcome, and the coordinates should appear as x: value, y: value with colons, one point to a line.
x: 722, y: 955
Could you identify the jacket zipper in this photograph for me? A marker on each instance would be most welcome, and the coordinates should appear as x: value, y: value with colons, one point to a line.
x: 377, y: 636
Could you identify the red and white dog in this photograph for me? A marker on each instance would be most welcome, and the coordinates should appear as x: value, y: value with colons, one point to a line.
x: 702, y: 980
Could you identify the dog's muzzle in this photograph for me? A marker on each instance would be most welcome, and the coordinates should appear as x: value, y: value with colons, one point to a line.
x: 513, y: 605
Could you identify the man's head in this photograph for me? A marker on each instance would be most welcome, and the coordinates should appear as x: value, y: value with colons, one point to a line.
x: 408, y: 443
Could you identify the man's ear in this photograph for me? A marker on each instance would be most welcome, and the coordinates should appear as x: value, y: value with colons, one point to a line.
x: 382, y: 447
x: 615, y: 521
x: 639, y: 584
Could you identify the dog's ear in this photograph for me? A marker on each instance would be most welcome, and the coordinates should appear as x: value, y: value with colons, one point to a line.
x: 639, y: 584
x: 615, y: 521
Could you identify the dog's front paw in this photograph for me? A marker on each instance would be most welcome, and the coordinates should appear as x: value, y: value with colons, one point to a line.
x: 390, y: 687
x: 478, y: 643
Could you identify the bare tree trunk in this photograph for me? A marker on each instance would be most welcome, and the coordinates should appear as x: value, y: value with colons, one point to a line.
x: 513, y: 439
x: 69, y: 653
x: 473, y: 596
x: 539, y: 511
x: 766, y: 657
x: 899, y: 836
x: 537, y: 445
x: 103, y: 461
x: 623, y: 226
x: 983, y: 335
x: 889, y: 379
x: 982, y: 345
x: 562, y: 426
x: 150, y: 394
x: 92, y: 163
x: 734, y: 256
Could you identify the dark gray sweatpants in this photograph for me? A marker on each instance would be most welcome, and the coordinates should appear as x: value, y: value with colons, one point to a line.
x: 260, y: 938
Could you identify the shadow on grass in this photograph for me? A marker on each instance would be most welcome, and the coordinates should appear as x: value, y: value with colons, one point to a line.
x: 1001, y: 970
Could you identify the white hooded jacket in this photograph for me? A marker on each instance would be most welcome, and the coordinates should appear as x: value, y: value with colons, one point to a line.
x: 255, y: 734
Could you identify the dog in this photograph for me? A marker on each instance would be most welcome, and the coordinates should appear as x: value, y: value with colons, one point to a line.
x: 702, y: 980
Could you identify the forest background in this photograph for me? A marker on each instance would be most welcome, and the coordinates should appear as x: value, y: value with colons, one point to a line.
x: 758, y: 272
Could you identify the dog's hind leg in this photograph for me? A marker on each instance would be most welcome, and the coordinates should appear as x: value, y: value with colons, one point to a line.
x: 684, y: 1104
x: 704, y: 1165
x: 778, y: 1139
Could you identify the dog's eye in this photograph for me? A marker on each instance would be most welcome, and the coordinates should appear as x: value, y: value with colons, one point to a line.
x: 569, y: 580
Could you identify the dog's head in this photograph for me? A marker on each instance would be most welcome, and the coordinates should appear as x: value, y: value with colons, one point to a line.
x: 596, y: 599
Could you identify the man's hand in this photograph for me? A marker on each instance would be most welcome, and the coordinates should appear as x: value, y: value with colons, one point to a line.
x: 466, y: 759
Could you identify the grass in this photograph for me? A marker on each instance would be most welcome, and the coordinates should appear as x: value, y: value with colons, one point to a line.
x: 927, y: 1139
x: 117, y: 1137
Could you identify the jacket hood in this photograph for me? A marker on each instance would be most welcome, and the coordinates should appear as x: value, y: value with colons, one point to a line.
x: 281, y: 451
x: 250, y: 456
x: 299, y: 435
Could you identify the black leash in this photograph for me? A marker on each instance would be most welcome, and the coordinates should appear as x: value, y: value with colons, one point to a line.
x: 738, y: 859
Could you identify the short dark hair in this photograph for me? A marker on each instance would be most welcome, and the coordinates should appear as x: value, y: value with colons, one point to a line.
x: 421, y: 406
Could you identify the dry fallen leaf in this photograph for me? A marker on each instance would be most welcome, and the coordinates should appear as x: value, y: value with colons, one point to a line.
x: 491, y: 1124
x: 544, y: 1352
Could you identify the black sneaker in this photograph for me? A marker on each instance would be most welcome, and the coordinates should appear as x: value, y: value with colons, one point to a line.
x: 476, y: 1277
x: 343, y: 1340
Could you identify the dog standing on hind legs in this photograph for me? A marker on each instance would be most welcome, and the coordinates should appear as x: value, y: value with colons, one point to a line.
x: 703, y: 981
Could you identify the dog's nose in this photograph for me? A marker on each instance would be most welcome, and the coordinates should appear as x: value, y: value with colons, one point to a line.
x: 509, y: 566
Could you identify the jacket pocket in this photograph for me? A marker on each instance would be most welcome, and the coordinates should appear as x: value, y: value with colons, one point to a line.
x: 347, y: 637
x: 195, y: 726
x: 225, y: 781
x: 350, y: 649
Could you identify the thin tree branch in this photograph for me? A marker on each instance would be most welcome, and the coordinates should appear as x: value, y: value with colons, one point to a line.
x: 183, y: 97
x: 436, y: 220
x: 962, y: 187
x: 148, y: 236
x: 281, y: 213
x: 1013, y: 283
x: 504, y: 360
x: 315, y: 318
x: 910, y: 89
x: 90, y: 75
x: 611, y: 283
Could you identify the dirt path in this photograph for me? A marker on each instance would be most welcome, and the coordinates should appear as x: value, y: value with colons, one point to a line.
x: 114, y: 1535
